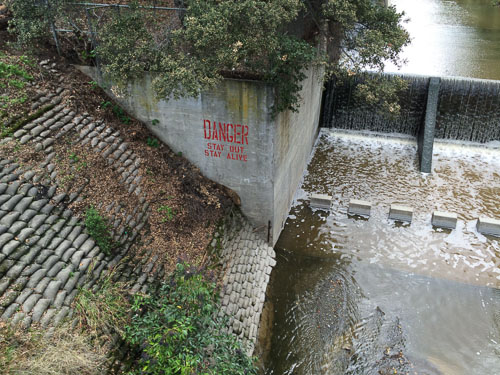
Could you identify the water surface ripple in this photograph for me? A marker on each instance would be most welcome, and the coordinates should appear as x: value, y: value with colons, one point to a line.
x: 344, y: 288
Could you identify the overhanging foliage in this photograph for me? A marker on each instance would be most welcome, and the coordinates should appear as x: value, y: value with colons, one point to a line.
x: 274, y: 41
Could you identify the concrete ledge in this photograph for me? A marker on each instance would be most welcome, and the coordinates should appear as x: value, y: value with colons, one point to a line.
x: 321, y: 201
x: 446, y: 220
x: 359, y: 207
x: 401, y: 213
x: 488, y: 226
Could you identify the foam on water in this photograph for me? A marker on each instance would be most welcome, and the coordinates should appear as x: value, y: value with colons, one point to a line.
x: 383, y: 170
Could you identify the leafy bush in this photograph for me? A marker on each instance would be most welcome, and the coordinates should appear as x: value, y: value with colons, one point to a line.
x: 192, y: 49
x: 98, y: 228
x: 216, y: 37
x: 176, y: 330
x: 32, y: 19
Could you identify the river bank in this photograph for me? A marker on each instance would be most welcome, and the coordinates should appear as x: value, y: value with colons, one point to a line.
x: 67, y: 150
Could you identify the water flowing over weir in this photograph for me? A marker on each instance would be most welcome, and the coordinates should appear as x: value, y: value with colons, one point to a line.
x: 343, y: 110
x: 468, y: 109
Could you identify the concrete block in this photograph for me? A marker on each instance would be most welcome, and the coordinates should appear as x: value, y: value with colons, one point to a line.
x: 359, y: 207
x: 322, y: 201
x: 444, y: 219
x: 488, y: 226
x: 401, y: 213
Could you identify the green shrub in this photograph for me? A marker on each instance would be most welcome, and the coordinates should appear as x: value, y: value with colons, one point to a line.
x: 98, y: 228
x: 176, y: 330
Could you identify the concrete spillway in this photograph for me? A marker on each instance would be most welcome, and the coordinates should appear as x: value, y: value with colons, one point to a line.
x: 444, y: 108
x: 468, y: 109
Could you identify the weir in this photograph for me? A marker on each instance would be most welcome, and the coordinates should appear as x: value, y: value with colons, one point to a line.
x: 456, y: 108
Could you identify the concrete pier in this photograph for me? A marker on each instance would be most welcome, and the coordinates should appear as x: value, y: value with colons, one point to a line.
x: 426, y: 132
x: 359, y: 207
x: 446, y: 220
x: 321, y: 201
x: 401, y: 213
x: 488, y: 226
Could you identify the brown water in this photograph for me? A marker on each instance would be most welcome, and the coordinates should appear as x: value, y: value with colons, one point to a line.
x: 452, y: 38
x: 441, y: 285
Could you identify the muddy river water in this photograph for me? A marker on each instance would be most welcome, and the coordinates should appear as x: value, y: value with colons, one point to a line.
x: 343, y: 283
x: 452, y: 37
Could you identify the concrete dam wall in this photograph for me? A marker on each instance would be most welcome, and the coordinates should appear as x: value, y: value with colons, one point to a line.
x: 232, y: 136
x: 467, y: 109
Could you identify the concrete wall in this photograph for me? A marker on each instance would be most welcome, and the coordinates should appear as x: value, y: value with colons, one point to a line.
x: 260, y: 157
x: 294, y: 138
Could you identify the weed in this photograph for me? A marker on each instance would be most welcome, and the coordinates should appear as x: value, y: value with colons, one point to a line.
x: 65, y: 178
x: 120, y: 113
x: 88, y: 55
x: 93, y: 84
x: 27, y: 61
x: 179, y: 154
x: 98, y: 228
x: 117, y: 110
x: 74, y: 157
x: 152, y: 142
x: 16, y: 83
x: 12, y: 70
x: 81, y: 165
x: 155, y: 122
x: 104, y: 310
x: 17, y: 147
x: 168, y: 213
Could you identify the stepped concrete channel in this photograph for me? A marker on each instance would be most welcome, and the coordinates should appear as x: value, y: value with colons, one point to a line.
x: 46, y: 255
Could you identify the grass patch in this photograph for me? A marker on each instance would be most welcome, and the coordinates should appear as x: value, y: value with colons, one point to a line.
x: 33, y: 352
x: 104, y: 310
x: 99, y: 230
x: 15, y: 73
